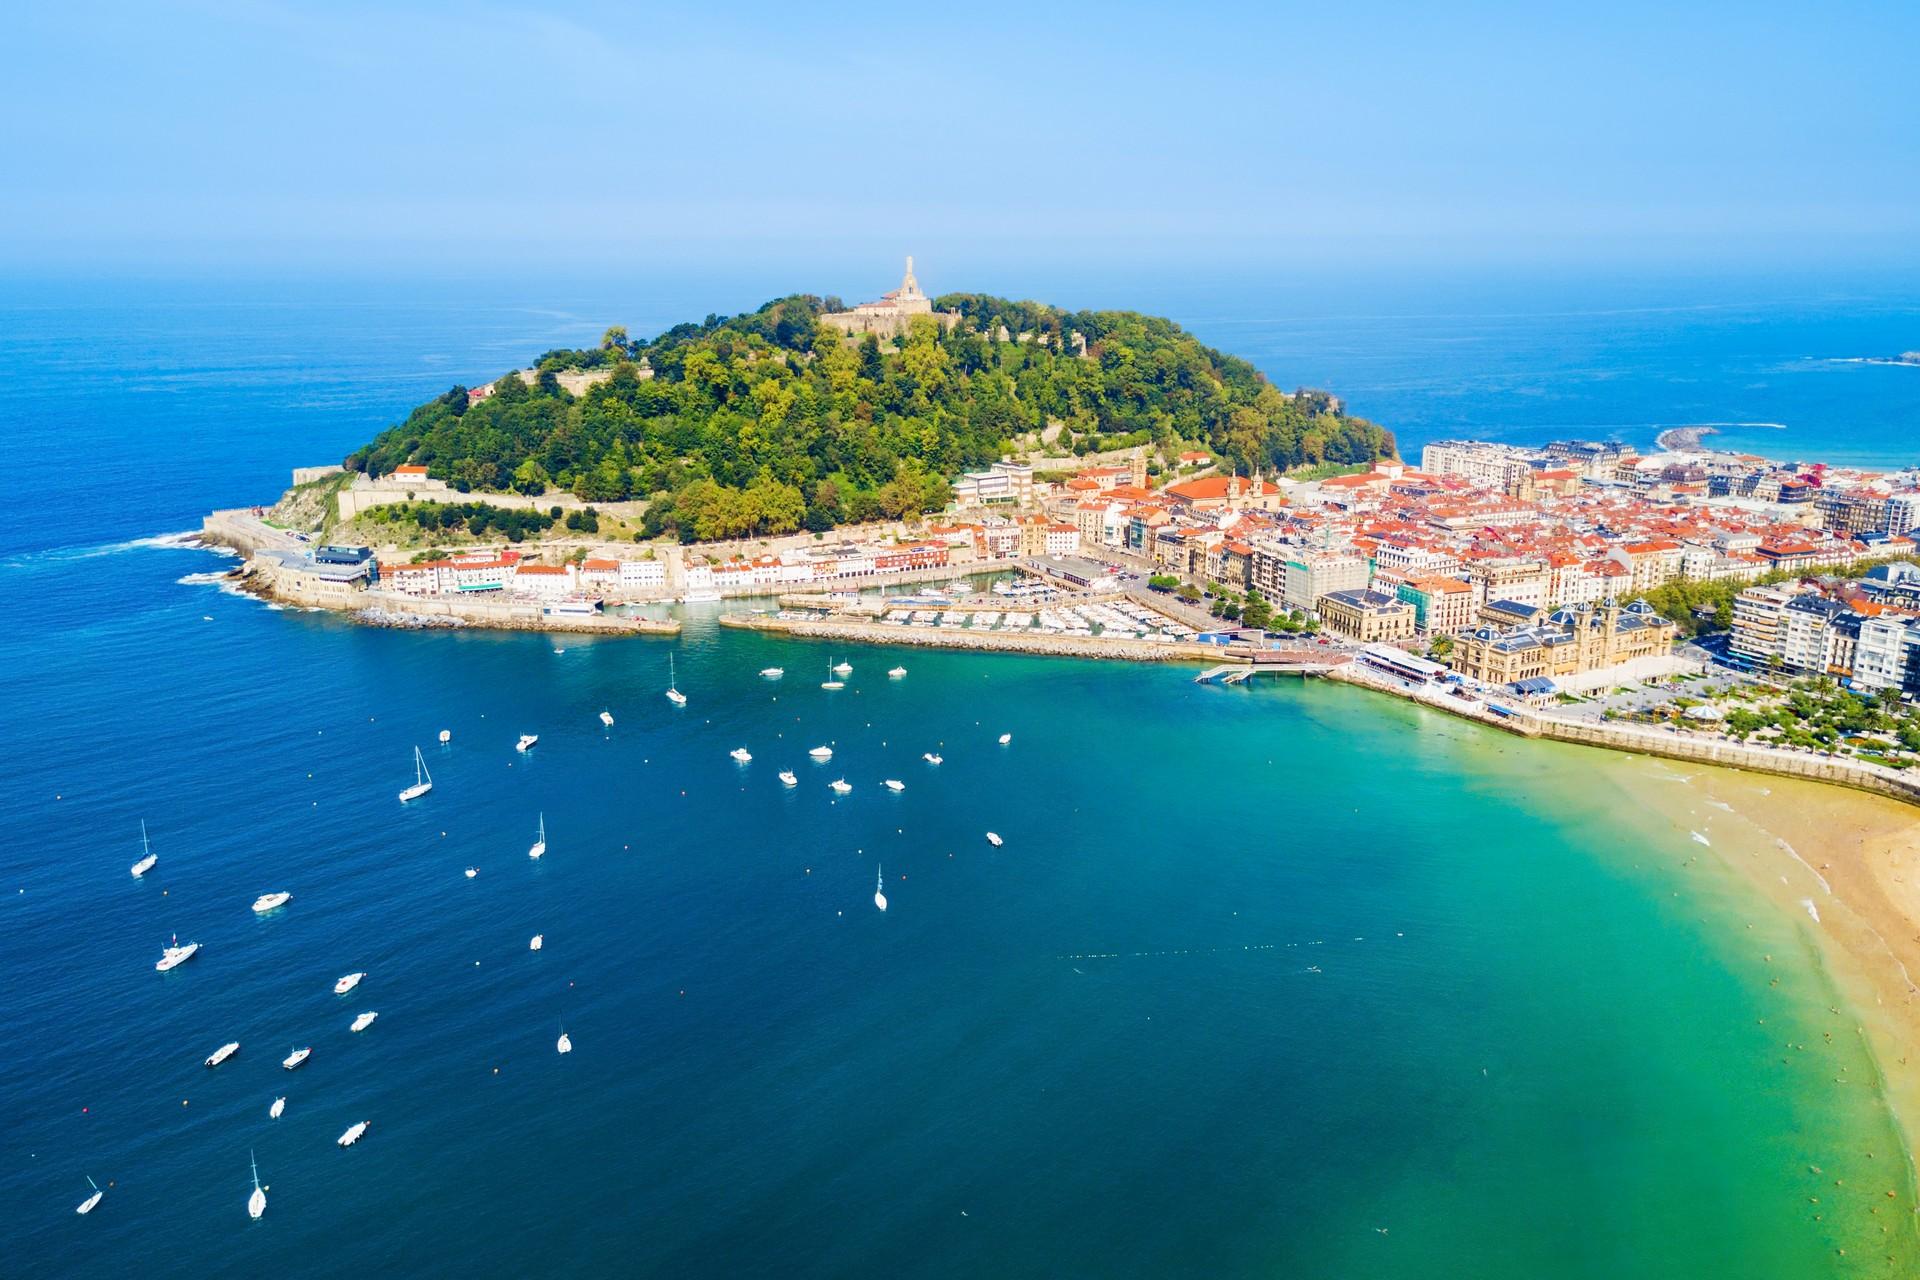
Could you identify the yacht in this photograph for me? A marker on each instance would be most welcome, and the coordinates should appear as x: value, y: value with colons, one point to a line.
x: 472, y: 872
x: 538, y: 941
x: 833, y: 680
x: 446, y: 736
x: 931, y: 757
x: 347, y: 983
x: 741, y: 755
x: 224, y: 1052
x: 606, y: 718
x: 772, y: 673
x: 279, y: 1106
x: 176, y: 954
x: 528, y: 741
x: 422, y: 780
x: 295, y: 1058
x: 786, y: 776
x: 1005, y: 738
x: 894, y: 784
x: 564, y: 1044
x: 86, y: 1206
x: 841, y: 786
x: 896, y: 673
x: 364, y: 1021
x: 843, y: 668
x: 674, y: 695
x: 257, y: 1202
x: 270, y: 902
x: 147, y: 858
x: 539, y: 847
x: 994, y: 840
x: 354, y: 1133
x: 821, y: 753
x: 880, y: 888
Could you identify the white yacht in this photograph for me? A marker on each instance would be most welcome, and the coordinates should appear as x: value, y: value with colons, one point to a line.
x: 896, y: 673
x: 86, y: 1206
x: 257, y: 1202
x: 1005, y: 738
x: 271, y: 901
x: 539, y: 847
x: 538, y: 941
x: 994, y: 840
x: 147, y: 856
x: 528, y: 741
x: 347, y: 983
x: 786, y: 776
x: 224, y: 1052
x: 472, y: 872
x: 606, y: 718
x: 821, y: 753
x: 772, y: 673
x: 176, y: 954
x: 364, y: 1021
x: 674, y: 695
x: 841, y: 786
x: 422, y: 780
x: 295, y: 1058
x: 894, y: 784
x: 278, y: 1108
x: 931, y: 757
x: 880, y: 888
x: 353, y: 1133
x: 833, y: 680
x: 843, y: 668
x: 446, y: 736
x: 564, y: 1044
x: 741, y: 755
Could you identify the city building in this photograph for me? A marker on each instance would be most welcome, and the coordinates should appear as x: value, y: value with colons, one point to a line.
x: 1570, y: 641
x: 892, y: 312
x: 1368, y: 617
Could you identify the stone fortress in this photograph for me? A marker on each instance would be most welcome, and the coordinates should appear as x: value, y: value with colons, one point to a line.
x: 889, y: 316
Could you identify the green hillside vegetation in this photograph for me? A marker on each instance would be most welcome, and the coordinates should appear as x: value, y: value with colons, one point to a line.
x: 771, y: 422
x: 1698, y: 607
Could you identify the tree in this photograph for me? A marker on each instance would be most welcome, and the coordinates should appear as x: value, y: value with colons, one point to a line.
x: 530, y: 478
x: 614, y: 338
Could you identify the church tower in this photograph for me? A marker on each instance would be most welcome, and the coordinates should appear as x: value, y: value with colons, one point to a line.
x: 909, y: 287
x: 1137, y: 468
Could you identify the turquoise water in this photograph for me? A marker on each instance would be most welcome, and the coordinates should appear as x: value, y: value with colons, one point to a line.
x: 1270, y: 981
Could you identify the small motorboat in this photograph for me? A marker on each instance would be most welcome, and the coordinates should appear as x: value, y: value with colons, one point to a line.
x: 741, y: 755
x: 821, y: 753
x: 295, y: 1058
x: 86, y: 1206
x: 896, y: 673
x: 843, y: 668
x: 931, y: 757
x: 347, y: 983
x: 1005, y: 738
x: 538, y: 941
x: 786, y: 776
x: 224, y: 1052
x: 894, y: 785
x: 880, y: 888
x: 354, y: 1133
x: 528, y: 741
x: 364, y: 1021
x: 270, y: 902
x: 606, y: 718
x: 994, y: 840
x: 472, y: 872
x: 278, y: 1108
x: 176, y: 954
x: 841, y: 786
x: 772, y: 673
x: 446, y: 736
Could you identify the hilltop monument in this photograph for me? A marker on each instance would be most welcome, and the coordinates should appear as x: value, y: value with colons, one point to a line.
x: 889, y: 315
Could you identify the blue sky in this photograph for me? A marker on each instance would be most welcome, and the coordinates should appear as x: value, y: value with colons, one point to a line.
x: 470, y: 138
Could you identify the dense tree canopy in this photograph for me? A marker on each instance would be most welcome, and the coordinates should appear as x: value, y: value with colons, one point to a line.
x: 770, y: 422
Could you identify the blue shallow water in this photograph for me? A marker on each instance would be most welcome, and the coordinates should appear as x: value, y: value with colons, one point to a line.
x: 1257, y: 973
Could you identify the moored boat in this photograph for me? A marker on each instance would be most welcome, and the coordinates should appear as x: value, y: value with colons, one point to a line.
x: 278, y: 1108
x: 295, y: 1058
x: 606, y: 718
x: 772, y: 673
x: 931, y: 757
x: 880, y: 888
x: 86, y: 1206
x: 348, y: 983
x: 821, y: 753
x: 224, y: 1052
x: 786, y: 777
x: 422, y: 780
x: 841, y: 786
x: 894, y: 784
x: 528, y: 741
x: 896, y: 673
x: 364, y: 1021
x: 257, y: 1202
x: 994, y: 840
x: 147, y: 858
x: 270, y: 902
x: 741, y: 755
x: 538, y: 849
x: 176, y: 954
x: 354, y: 1133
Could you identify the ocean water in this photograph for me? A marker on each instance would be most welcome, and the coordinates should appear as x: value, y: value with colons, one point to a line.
x: 1280, y: 980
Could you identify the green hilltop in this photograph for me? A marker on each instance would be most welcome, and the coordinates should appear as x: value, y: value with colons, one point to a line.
x: 770, y: 422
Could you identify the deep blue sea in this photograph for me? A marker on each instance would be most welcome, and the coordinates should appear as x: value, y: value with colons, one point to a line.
x: 1274, y: 981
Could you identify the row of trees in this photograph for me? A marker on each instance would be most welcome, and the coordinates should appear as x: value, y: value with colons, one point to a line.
x: 759, y: 410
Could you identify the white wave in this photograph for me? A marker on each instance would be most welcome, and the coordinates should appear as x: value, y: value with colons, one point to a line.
x: 1811, y: 909
x: 201, y: 579
x: 186, y: 540
x: 1795, y: 855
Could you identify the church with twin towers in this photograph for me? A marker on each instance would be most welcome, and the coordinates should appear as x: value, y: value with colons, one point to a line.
x: 889, y: 315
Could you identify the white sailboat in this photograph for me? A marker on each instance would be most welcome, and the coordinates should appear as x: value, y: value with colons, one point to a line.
x: 86, y: 1206
x: 257, y: 1202
x: 880, y: 888
x: 565, y: 1043
x: 833, y: 680
x: 348, y: 983
x: 353, y: 1133
x: 271, y: 902
x: 674, y: 695
x: 606, y: 718
x: 787, y: 778
x: 422, y: 780
x: 364, y: 1021
x: 176, y: 954
x: 279, y: 1106
x: 147, y: 856
x: 539, y: 848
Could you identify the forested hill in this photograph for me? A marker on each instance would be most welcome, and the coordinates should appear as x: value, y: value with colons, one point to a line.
x: 767, y: 422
